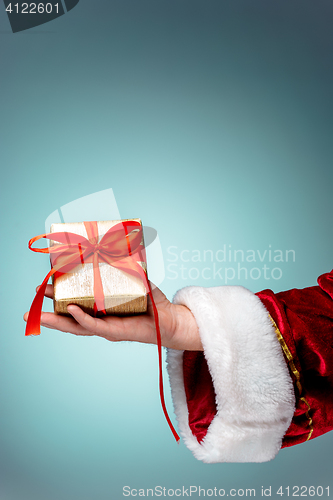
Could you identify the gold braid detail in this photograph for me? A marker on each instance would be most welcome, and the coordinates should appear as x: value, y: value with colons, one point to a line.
x: 294, y: 370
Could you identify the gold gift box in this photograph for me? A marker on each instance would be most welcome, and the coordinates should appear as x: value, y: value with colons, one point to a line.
x: 124, y: 294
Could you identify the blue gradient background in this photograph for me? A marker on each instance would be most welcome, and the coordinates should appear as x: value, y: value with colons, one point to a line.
x: 212, y: 121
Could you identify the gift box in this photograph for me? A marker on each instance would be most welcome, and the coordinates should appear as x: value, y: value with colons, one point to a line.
x: 123, y: 293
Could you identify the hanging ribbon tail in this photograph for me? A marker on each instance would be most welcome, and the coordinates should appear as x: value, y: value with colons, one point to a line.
x: 33, y: 323
x: 159, y: 347
x: 137, y: 270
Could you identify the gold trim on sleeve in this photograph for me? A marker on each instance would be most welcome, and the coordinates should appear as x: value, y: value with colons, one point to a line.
x: 294, y: 370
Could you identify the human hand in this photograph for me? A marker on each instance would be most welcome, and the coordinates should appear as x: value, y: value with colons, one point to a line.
x: 177, y: 324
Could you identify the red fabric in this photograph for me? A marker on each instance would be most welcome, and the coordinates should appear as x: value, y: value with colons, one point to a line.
x: 305, y: 320
x: 200, y: 393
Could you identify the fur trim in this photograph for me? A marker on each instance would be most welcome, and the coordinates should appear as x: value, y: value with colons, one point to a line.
x: 254, y: 392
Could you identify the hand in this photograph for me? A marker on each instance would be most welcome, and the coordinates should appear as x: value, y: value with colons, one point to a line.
x: 177, y: 324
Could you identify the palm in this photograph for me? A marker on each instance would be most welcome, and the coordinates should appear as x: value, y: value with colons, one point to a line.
x: 177, y: 325
x: 141, y: 328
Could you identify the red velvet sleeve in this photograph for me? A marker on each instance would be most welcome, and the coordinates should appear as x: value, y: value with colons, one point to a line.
x: 304, y: 326
x: 304, y: 320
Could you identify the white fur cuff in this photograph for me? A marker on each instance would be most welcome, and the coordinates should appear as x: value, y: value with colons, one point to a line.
x: 255, y: 398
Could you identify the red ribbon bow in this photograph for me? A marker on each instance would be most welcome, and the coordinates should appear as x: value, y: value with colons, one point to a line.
x: 120, y: 247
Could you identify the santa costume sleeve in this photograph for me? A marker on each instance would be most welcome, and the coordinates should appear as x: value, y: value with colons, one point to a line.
x: 265, y: 378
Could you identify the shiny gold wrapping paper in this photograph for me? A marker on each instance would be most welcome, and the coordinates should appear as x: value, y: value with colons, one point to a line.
x: 124, y: 294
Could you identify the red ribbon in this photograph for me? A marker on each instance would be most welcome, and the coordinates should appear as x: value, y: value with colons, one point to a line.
x: 120, y: 247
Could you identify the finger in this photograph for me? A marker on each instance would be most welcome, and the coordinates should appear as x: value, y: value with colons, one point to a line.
x: 61, y: 323
x: 95, y: 325
x: 82, y: 324
x: 48, y: 291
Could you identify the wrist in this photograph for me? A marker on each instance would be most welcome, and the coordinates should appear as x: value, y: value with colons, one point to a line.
x: 186, y: 336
